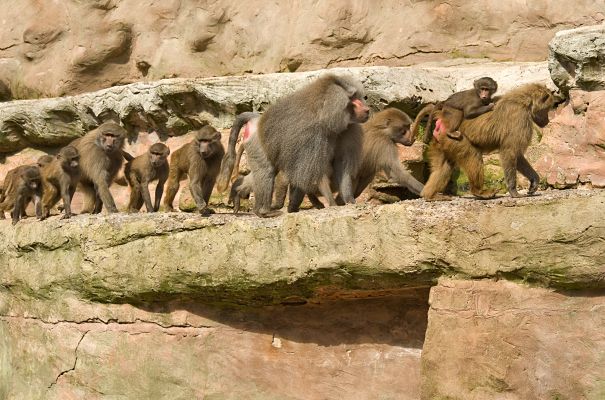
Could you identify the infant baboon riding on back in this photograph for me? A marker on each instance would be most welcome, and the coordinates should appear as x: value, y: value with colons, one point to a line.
x: 466, y: 104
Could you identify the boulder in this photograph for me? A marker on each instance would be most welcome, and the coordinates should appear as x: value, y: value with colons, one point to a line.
x: 577, y: 57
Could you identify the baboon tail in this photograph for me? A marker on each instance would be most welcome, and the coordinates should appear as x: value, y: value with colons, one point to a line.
x: 229, y: 158
x: 428, y: 109
x: 127, y: 156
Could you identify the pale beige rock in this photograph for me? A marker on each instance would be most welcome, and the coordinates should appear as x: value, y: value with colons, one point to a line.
x: 68, y: 47
x: 576, y: 58
x: 500, y: 340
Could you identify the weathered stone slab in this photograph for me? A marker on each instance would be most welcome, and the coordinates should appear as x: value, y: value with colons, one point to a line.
x: 500, y: 340
x: 173, y: 107
x: 554, y: 240
x: 577, y: 58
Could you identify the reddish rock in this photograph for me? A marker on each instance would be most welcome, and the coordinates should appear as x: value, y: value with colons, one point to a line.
x: 501, y: 340
x: 572, y: 149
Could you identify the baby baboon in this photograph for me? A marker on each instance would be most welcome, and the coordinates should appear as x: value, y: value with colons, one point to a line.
x: 462, y: 105
x: 153, y: 165
x: 100, y: 160
x: 27, y: 184
x: 298, y: 135
x: 59, y: 180
x: 508, y: 128
x: 199, y: 159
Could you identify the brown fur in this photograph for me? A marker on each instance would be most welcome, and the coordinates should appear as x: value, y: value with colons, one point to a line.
x: 508, y: 128
x: 59, y: 180
x: 100, y: 161
x: 26, y: 185
x: 144, y: 169
x: 200, y: 160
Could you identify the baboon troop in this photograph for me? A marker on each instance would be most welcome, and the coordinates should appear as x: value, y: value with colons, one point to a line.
x: 318, y: 141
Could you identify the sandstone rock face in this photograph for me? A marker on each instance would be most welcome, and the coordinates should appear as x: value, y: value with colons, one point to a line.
x: 571, y: 151
x: 315, y: 305
x: 499, y: 340
x: 577, y: 58
x: 68, y: 47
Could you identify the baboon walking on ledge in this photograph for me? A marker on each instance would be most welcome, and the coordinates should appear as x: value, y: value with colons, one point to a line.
x: 508, y: 129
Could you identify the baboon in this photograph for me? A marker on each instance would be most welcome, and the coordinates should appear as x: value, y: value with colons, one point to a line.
x: 9, y: 179
x: 508, y: 128
x: 200, y: 160
x: 298, y: 135
x: 380, y: 136
x: 59, y: 180
x: 153, y: 165
x: 100, y: 160
x: 27, y: 184
x: 44, y: 160
x: 466, y: 104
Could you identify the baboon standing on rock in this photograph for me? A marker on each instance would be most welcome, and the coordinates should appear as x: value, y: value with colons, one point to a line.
x: 299, y: 135
x: 59, y: 180
x: 100, y: 161
x: 26, y: 185
x: 144, y: 169
x: 508, y: 129
x: 199, y: 159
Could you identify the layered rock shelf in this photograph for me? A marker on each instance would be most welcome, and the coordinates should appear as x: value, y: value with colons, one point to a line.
x: 310, y: 305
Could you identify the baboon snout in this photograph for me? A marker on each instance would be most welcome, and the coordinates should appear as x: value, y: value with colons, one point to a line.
x: 361, y: 111
x: 74, y: 163
x: 484, y: 94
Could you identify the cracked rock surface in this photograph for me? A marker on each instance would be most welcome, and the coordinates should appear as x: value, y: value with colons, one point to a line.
x: 313, y: 305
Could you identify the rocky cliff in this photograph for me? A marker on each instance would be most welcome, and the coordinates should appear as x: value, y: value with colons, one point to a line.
x: 499, y: 299
x: 65, y: 47
x: 320, y: 304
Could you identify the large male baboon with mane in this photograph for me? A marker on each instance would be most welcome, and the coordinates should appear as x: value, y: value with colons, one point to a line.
x: 508, y: 129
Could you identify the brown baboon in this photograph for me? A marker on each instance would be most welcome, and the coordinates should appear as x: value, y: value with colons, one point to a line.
x: 59, y: 180
x: 508, y: 128
x: 153, y: 165
x: 100, y: 160
x: 200, y: 160
x: 27, y: 184
x: 380, y: 137
x: 9, y: 179
x: 298, y: 135
x: 466, y: 104
x: 44, y: 160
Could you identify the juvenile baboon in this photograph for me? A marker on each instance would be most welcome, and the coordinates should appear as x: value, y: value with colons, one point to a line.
x: 100, y: 160
x: 200, y: 160
x: 59, y: 180
x: 27, y: 184
x: 144, y: 169
x: 508, y: 128
x: 298, y: 135
x: 466, y: 104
